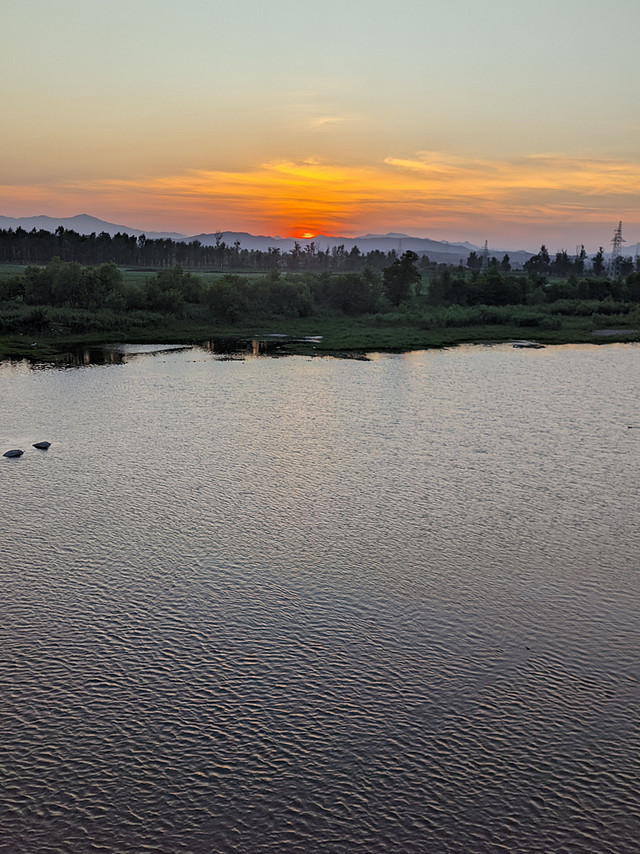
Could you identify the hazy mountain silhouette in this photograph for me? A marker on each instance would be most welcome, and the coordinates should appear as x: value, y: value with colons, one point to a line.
x: 437, y: 250
x: 81, y: 224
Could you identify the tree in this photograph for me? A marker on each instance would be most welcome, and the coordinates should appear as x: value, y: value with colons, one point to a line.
x: 562, y: 264
x: 294, y: 256
x: 474, y: 261
x: 174, y: 279
x: 228, y: 298
x: 493, y: 289
x: 598, y: 262
x: 352, y: 293
x: 398, y: 278
x: 12, y: 287
x: 220, y: 248
x: 539, y: 263
x: 625, y: 266
x: 632, y: 287
x: 285, y: 297
x: 544, y: 258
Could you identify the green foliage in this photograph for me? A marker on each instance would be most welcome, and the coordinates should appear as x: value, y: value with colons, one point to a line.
x: 474, y: 261
x: 598, y: 262
x: 229, y: 298
x: 398, y: 278
x: 233, y: 298
x: 36, y: 320
x: 286, y: 298
x: 190, y: 287
x: 350, y: 293
x: 494, y: 289
x: 37, y: 286
x: 631, y: 290
x: 562, y: 264
x: 63, y: 283
x: 170, y: 290
x: 11, y: 288
x: 63, y: 298
x: 544, y: 317
x: 633, y: 318
x: 540, y: 263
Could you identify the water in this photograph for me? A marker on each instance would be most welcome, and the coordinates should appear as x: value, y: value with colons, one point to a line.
x: 316, y: 605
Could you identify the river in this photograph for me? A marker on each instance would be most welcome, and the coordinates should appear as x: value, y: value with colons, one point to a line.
x: 322, y: 605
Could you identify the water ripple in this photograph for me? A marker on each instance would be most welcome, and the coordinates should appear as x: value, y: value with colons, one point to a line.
x: 323, y: 606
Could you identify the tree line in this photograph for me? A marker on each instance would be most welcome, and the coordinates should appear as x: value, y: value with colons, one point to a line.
x: 39, y: 246
x: 563, y: 264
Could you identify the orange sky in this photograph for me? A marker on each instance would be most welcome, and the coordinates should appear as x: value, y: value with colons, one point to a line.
x: 433, y: 192
x: 456, y: 120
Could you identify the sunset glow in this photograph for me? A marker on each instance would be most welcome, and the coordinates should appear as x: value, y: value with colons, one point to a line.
x: 161, y: 143
x: 432, y: 193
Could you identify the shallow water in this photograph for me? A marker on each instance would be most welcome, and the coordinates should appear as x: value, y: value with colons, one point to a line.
x: 321, y: 605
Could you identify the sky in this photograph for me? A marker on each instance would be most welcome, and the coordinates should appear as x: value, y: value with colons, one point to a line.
x: 511, y: 121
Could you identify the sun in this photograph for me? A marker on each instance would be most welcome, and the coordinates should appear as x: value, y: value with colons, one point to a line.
x: 301, y: 233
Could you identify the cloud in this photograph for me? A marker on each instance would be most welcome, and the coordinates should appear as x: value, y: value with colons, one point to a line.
x: 325, y: 122
x: 426, y: 193
x: 508, y: 179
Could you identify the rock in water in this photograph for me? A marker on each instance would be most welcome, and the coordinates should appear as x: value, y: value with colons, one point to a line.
x: 42, y: 445
x: 16, y: 452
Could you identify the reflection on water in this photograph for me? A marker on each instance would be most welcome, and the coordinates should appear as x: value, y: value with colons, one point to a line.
x: 92, y: 356
x: 246, y: 347
x: 118, y: 354
x: 322, y: 605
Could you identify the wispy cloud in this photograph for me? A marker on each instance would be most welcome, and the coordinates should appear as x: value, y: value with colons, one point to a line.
x: 318, y: 122
x: 425, y: 193
x: 507, y: 179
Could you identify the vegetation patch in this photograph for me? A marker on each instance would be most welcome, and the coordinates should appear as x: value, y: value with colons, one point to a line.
x: 408, y: 305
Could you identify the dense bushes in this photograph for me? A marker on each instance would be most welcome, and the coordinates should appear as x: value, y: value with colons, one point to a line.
x: 68, y: 284
x: 45, y: 320
x: 493, y: 288
x: 101, y: 298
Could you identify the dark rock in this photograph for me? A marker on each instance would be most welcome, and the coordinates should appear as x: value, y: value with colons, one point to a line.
x: 16, y: 452
x: 42, y: 445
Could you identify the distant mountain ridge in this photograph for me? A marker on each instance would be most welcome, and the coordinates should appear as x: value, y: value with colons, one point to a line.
x: 437, y: 250
x: 82, y: 224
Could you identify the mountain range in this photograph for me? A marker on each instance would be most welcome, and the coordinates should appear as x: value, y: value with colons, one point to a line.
x: 81, y: 224
x: 437, y: 250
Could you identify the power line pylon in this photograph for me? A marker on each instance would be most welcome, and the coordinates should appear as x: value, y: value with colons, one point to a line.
x: 485, y: 258
x: 618, y: 240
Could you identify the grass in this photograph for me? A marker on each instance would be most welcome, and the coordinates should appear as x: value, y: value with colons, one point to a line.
x: 339, y: 335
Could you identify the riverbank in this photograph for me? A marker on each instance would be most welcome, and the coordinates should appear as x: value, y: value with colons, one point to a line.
x: 320, y: 336
x: 47, y: 312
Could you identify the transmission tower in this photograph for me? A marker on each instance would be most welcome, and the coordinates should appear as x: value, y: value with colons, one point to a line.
x: 485, y: 257
x: 618, y: 240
